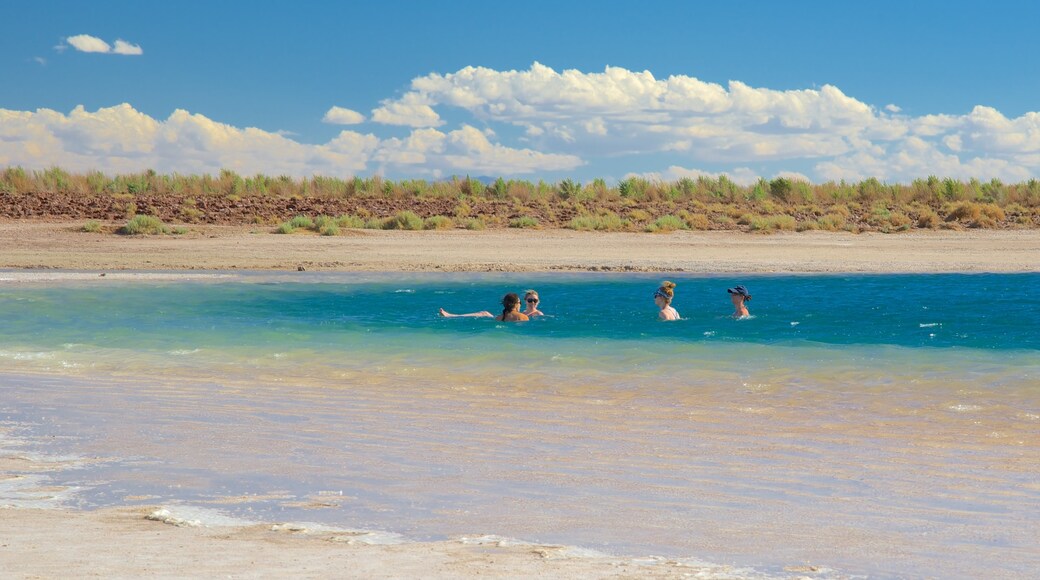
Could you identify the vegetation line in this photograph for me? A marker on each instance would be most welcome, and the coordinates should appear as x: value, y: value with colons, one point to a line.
x: 329, y: 205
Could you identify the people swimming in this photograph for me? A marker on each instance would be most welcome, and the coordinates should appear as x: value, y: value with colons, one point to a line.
x: 510, y: 310
x: 663, y: 299
x: 531, y: 308
x: 739, y: 295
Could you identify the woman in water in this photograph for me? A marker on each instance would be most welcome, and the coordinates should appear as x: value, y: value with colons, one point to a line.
x: 510, y: 311
x: 663, y: 299
x: 739, y: 295
x: 531, y: 310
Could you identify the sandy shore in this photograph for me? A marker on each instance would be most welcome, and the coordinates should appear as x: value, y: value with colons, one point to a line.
x: 59, y: 245
x: 121, y: 543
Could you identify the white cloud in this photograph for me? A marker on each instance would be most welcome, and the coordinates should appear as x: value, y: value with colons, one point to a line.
x: 124, y: 47
x: 793, y: 176
x: 341, y: 116
x: 412, y: 110
x: 618, y: 113
x: 615, y: 121
x: 740, y: 175
x: 122, y: 139
x: 88, y: 43
x: 40, y: 60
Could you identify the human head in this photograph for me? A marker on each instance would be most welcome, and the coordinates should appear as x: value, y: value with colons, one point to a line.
x: 529, y: 295
x: 510, y: 302
x: 739, y: 294
x: 664, y: 293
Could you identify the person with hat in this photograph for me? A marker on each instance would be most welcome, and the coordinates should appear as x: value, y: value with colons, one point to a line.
x: 739, y: 295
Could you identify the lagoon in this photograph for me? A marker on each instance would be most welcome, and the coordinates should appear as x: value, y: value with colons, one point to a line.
x: 874, y: 424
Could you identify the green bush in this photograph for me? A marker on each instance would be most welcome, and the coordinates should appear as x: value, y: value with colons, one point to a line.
x: 404, y: 220
x: 143, y: 224
x: 329, y: 228
x: 321, y: 221
x: 476, y: 224
x: 92, y: 226
x: 284, y: 228
x: 831, y: 222
x: 773, y: 222
x: 438, y: 222
x: 698, y: 221
x: 302, y: 222
x: 667, y: 223
x: 350, y: 222
x: 523, y: 222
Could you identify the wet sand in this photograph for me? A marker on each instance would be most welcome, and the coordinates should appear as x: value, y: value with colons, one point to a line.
x: 122, y: 543
x: 58, y: 245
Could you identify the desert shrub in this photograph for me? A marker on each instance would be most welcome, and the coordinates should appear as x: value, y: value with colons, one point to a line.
x: 302, y: 222
x: 965, y: 211
x: 523, y: 222
x: 438, y: 222
x: 928, y: 219
x: 831, y: 222
x: 781, y: 188
x: 374, y: 223
x: 462, y: 210
x: 92, y: 226
x: 329, y: 228
x: 476, y: 224
x: 321, y: 221
x: 191, y: 213
x: 405, y: 220
x: 583, y: 223
x: 350, y: 221
x: 143, y: 224
x: 899, y: 221
x: 639, y: 215
x: 284, y: 228
x: 698, y: 221
x: 993, y: 212
x: 666, y: 223
x: 610, y: 222
x: 773, y: 222
x: 179, y: 231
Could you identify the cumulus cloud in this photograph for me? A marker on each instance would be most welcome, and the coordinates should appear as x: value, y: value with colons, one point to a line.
x: 412, y: 110
x: 88, y: 43
x: 621, y: 113
x: 122, y: 139
x: 341, y: 116
x: 614, y: 121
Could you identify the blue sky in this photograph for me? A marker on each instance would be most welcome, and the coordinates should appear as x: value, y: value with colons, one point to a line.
x: 538, y: 90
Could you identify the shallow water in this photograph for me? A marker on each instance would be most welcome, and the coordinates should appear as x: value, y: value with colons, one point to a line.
x: 887, y: 425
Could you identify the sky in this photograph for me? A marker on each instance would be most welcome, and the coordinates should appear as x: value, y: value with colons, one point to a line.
x: 814, y: 90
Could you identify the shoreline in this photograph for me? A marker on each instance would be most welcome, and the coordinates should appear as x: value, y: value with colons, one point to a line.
x: 180, y: 540
x: 36, y: 245
x: 137, y: 542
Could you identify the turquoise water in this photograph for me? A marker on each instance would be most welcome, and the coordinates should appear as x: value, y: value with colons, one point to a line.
x: 883, y: 424
x: 999, y: 312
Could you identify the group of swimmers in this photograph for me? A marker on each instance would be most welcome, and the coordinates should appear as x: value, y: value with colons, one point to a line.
x: 663, y: 296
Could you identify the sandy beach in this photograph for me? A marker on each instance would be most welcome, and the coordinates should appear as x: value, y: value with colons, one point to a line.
x: 59, y: 245
x: 122, y: 543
